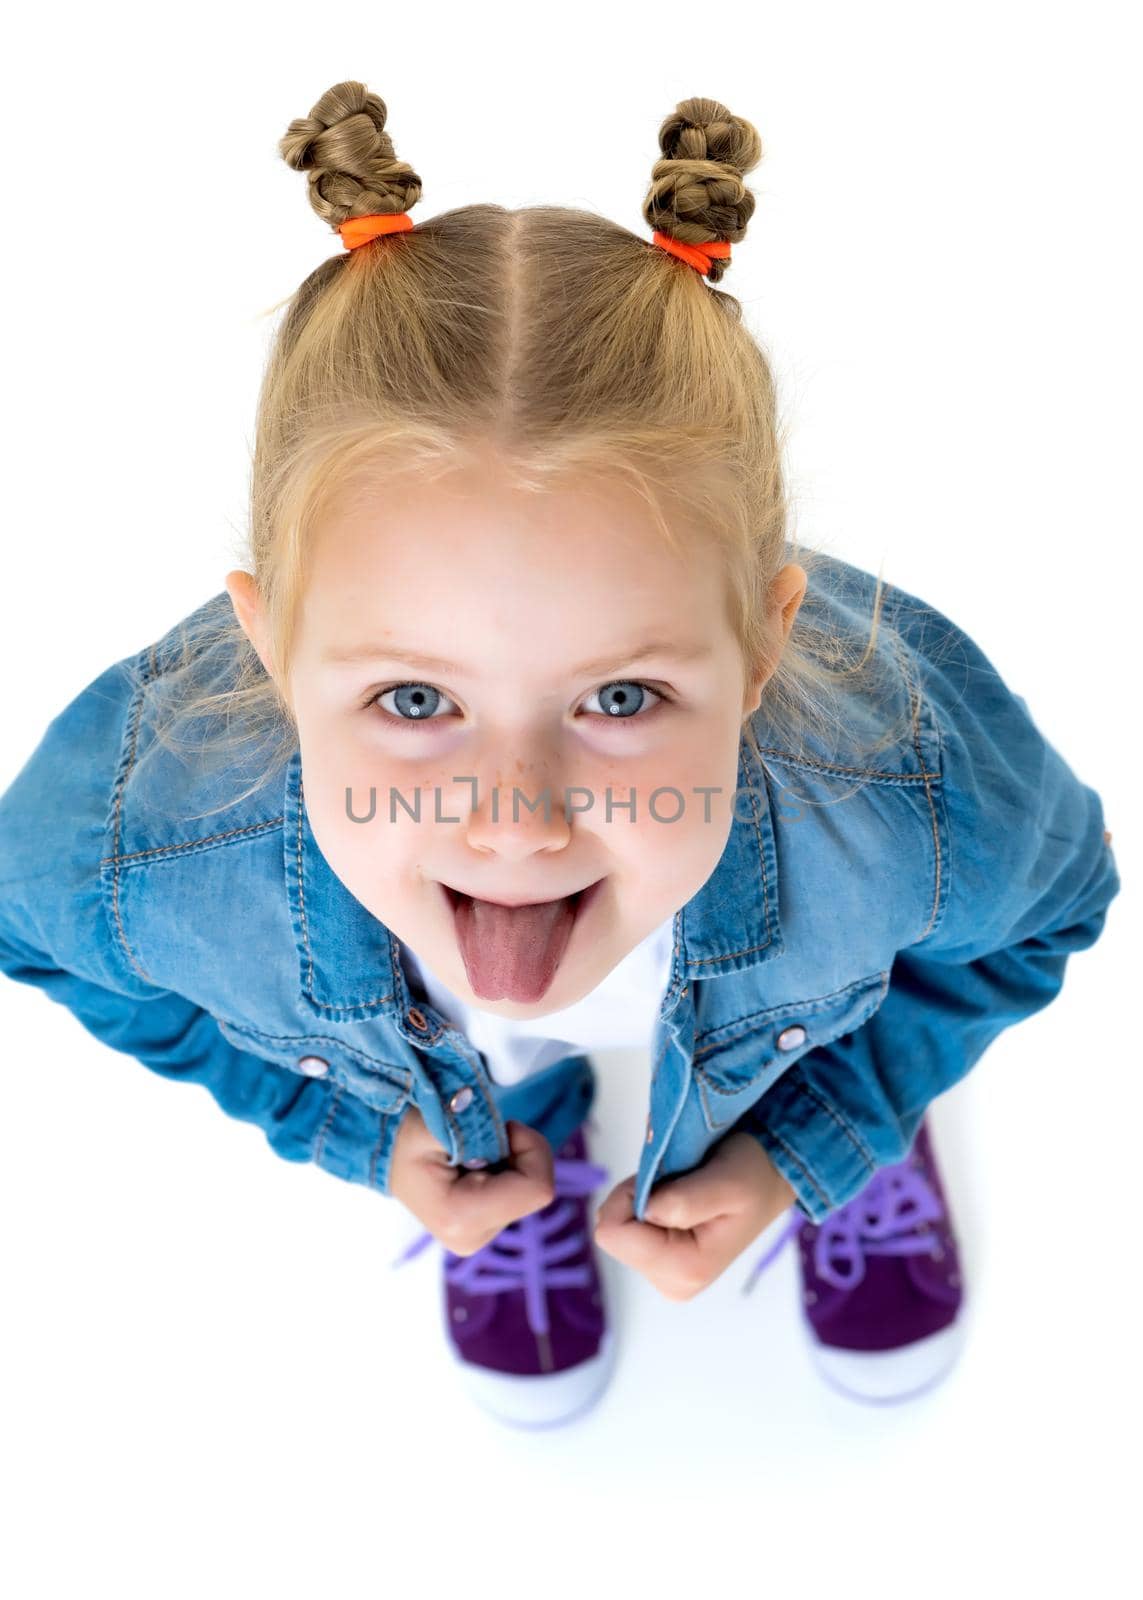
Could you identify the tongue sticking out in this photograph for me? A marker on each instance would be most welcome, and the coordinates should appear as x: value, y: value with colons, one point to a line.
x: 511, y: 953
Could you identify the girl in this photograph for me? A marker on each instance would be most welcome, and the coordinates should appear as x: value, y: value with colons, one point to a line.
x: 529, y: 731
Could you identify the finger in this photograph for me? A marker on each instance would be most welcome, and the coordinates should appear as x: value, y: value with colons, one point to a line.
x: 619, y: 1232
x: 697, y: 1196
x: 490, y: 1200
x: 664, y: 1256
x: 620, y: 1203
x: 531, y: 1153
x: 477, y: 1205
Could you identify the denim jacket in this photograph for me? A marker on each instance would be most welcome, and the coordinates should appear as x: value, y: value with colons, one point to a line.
x: 873, y: 923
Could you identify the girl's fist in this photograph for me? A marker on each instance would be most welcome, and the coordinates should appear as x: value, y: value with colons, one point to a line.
x: 465, y: 1209
x: 696, y: 1224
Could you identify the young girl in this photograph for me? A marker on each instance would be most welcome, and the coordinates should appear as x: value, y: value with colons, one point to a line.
x: 530, y: 732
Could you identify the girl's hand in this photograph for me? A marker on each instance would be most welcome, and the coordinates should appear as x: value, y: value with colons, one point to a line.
x: 698, y: 1222
x: 464, y: 1209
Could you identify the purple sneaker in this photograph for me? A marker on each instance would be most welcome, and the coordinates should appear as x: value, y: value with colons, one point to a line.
x: 881, y: 1283
x: 525, y: 1314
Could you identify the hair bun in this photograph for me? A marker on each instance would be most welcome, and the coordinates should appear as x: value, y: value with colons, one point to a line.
x: 697, y: 193
x: 350, y: 164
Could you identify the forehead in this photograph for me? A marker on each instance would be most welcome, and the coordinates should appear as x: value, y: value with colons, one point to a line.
x: 441, y: 550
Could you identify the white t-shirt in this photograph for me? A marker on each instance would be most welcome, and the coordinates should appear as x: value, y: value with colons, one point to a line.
x: 619, y: 1012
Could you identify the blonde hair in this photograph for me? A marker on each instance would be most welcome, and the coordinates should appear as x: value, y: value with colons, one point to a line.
x: 566, y: 342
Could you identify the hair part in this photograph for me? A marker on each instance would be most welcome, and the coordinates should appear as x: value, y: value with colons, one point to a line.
x: 560, y: 340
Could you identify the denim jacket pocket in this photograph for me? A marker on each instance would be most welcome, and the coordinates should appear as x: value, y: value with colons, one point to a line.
x: 380, y: 1085
x: 731, y: 1072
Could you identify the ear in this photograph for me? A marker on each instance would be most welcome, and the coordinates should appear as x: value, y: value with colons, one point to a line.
x: 247, y: 603
x: 787, y: 590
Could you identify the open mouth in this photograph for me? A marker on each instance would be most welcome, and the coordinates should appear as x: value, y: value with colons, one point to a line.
x: 513, y: 952
x: 578, y: 901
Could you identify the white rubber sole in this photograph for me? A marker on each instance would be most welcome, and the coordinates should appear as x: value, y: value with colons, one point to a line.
x: 883, y: 1376
x: 544, y: 1399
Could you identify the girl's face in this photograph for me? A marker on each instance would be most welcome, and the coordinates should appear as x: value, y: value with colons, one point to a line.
x: 459, y: 637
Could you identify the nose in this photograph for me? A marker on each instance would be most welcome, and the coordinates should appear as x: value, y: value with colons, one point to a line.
x: 518, y: 816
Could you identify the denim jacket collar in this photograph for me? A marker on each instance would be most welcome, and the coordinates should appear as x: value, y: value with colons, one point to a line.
x: 349, y: 964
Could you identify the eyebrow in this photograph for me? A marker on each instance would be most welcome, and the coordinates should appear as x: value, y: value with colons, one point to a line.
x: 657, y: 649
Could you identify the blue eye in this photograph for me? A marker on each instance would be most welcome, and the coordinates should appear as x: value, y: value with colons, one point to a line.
x: 623, y: 701
x: 417, y: 702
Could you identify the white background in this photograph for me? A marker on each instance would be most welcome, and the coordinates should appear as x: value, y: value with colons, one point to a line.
x: 209, y: 1374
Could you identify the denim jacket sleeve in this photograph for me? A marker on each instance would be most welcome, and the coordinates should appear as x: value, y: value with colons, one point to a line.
x: 55, y: 933
x: 1029, y: 875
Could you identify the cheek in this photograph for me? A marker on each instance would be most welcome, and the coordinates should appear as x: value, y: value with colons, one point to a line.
x: 344, y: 770
x: 694, y: 784
x: 349, y: 814
x: 680, y: 829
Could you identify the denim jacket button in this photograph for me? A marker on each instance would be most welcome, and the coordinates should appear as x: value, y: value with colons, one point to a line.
x: 461, y: 1100
x: 417, y: 1018
x: 313, y: 1066
x: 791, y: 1038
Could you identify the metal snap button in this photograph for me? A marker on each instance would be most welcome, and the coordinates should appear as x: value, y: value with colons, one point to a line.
x: 417, y: 1018
x: 313, y: 1066
x: 791, y: 1038
x: 476, y: 1161
x: 461, y: 1100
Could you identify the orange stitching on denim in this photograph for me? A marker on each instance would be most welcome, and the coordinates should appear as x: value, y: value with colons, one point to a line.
x: 762, y: 859
x: 309, y: 979
x: 937, y: 878
x: 192, y: 844
x: 796, y: 1008
x: 390, y: 1121
x: 369, y: 1063
x: 302, y: 896
x: 915, y: 704
x: 707, y: 1088
x: 117, y: 814
x: 802, y: 1086
x: 801, y: 1166
x: 677, y: 921
x: 489, y: 1099
x: 319, y: 1142
x: 707, y: 961
x: 814, y: 764
x: 655, y: 1070
x: 729, y: 1094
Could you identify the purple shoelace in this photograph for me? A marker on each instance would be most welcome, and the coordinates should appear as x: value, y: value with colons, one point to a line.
x: 524, y: 1255
x: 880, y: 1221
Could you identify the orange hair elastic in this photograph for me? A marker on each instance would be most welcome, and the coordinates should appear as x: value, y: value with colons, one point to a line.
x: 359, y: 230
x: 698, y: 256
